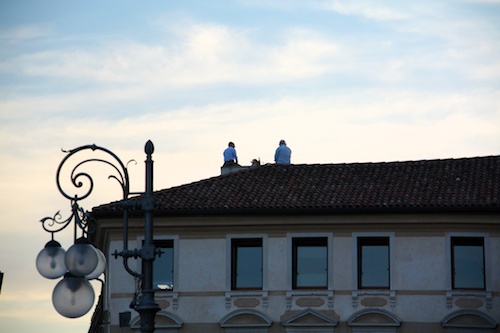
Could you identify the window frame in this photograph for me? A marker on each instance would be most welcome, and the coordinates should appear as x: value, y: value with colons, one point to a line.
x: 467, y: 241
x: 373, y: 241
x: 302, y: 242
x: 356, y: 265
x: 487, y: 264
x: 237, y: 243
x: 229, y: 263
x: 291, y: 276
x: 164, y: 243
x: 175, y: 274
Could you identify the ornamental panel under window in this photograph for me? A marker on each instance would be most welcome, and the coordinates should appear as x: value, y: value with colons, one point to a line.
x: 373, y: 263
x: 163, y: 266
x: 246, y: 264
x: 467, y: 256
x: 310, y: 263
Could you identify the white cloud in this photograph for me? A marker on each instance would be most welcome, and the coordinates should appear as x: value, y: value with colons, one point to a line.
x: 375, y: 10
x: 200, y: 54
x: 26, y: 32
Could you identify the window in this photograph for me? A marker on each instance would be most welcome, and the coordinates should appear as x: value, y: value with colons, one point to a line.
x: 310, y: 262
x: 373, y: 263
x: 467, y: 261
x: 163, y: 266
x: 246, y: 264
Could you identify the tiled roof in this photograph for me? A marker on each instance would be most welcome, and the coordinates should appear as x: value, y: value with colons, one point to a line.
x: 427, y: 185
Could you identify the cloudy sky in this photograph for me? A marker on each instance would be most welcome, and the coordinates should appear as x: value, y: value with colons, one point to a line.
x: 341, y: 81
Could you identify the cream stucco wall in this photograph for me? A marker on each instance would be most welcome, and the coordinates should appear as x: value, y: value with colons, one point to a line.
x: 420, y: 289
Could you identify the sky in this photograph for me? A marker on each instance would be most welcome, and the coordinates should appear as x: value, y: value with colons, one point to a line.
x: 340, y: 81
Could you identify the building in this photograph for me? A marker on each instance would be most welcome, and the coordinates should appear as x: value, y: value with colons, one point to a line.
x: 363, y: 247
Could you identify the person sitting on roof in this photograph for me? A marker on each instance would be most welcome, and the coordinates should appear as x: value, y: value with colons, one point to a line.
x: 282, y: 154
x: 230, y: 157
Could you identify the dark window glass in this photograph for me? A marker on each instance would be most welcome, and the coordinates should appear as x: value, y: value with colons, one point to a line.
x: 467, y: 262
x: 310, y: 262
x: 246, y: 263
x: 163, y: 266
x: 373, y: 263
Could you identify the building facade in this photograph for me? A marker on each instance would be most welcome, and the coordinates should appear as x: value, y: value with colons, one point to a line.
x: 364, y: 247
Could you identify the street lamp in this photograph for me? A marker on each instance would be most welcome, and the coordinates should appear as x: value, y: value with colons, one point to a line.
x: 74, y: 296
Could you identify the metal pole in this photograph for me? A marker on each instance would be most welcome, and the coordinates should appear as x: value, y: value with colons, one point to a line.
x: 147, y: 307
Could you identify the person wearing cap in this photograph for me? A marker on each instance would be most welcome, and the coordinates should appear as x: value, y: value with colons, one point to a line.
x: 230, y: 157
x: 282, y: 154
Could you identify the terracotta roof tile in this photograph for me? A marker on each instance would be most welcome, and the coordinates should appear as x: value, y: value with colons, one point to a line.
x: 451, y: 184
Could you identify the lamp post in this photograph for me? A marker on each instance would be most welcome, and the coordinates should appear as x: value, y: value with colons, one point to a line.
x: 74, y: 296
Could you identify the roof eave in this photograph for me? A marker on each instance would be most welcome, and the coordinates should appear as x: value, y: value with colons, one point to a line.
x: 304, y: 211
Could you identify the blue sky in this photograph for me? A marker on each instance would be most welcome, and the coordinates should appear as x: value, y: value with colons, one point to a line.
x: 341, y: 81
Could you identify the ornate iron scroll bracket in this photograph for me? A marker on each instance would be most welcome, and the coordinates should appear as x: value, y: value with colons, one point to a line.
x: 82, y: 182
x: 78, y: 177
x: 83, y: 221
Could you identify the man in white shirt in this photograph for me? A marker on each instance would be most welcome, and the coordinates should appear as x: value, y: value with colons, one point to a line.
x: 282, y: 154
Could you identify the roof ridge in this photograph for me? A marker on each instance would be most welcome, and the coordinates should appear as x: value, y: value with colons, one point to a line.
x: 384, y: 163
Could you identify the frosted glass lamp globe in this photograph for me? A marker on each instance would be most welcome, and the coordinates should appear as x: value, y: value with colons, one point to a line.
x: 81, y: 258
x: 73, y: 296
x: 101, y: 266
x: 50, y: 261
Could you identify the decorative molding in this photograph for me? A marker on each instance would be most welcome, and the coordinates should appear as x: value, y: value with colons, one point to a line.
x: 483, y: 321
x: 261, y: 295
x: 330, y: 300
x: 175, y: 301
x: 324, y: 293
x: 173, y: 297
x: 254, y: 321
x: 310, y: 320
x: 166, y: 322
x: 486, y: 295
x: 391, y: 294
x: 389, y: 319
